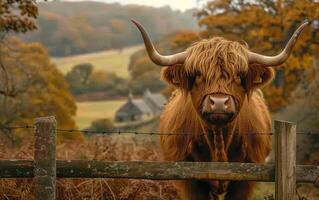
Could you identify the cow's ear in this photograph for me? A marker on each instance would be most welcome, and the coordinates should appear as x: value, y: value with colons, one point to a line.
x: 258, y: 77
x: 175, y: 75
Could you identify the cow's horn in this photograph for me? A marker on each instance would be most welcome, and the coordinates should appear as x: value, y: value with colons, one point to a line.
x: 157, y: 58
x: 262, y: 60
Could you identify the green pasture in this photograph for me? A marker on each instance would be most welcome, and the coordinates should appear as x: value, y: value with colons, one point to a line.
x: 92, y: 110
x: 111, y: 61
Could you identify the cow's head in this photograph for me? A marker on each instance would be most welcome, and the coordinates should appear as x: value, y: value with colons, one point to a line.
x: 217, y: 73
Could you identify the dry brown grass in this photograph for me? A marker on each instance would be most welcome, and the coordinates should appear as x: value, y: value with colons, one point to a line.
x: 110, y: 148
x: 97, y: 148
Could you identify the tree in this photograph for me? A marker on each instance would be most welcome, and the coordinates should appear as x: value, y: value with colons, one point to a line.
x: 148, y: 80
x: 39, y: 88
x: 144, y: 74
x: 18, y: 16
x: 181, y: 40
x: 266, y: 25
x: 30, y: 85
x: 79, y: 78
x: 110, y: 83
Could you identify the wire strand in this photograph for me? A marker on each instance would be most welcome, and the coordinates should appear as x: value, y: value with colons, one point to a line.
x: 119, y: 131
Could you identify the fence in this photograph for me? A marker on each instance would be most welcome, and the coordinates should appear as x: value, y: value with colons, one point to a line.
x: 45, y: 168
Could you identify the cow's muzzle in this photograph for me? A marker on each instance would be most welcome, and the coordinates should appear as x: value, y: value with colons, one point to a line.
x: 218, y: 108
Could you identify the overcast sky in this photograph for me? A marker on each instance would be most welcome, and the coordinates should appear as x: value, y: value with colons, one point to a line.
x: 175, y: 4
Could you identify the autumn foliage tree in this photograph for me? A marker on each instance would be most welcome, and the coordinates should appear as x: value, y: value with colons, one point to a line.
x: 39, y: 89
x: 30, y: 84
x: 79, y: 77
x: 18, y: 16
x: 183, y: 39
x: 266, y: 26
x: 144, y: 74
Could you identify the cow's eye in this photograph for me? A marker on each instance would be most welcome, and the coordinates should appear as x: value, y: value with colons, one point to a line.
x: 238, y: 79
x: 199, y: 79
x: 258, y: 80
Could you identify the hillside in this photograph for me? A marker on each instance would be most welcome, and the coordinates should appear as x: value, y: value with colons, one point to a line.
x: 69, y: 28
x: 110, y: 61
x: 90, y: 111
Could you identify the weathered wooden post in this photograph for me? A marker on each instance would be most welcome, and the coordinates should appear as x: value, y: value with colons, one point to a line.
x: 285, y: 136
x: 44, y: 158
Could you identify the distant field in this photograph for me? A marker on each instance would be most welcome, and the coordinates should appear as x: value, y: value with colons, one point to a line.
x: 111, y: 61
x: 90, y: 111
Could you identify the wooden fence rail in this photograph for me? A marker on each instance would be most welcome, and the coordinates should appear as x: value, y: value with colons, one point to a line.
x: 155, y: 170
x: 45, y: 168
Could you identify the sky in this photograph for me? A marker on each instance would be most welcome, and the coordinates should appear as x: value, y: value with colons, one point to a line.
x: 175, y: 4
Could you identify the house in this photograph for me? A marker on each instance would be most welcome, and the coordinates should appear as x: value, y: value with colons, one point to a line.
x: 148, y: 107
x: 155, y: 102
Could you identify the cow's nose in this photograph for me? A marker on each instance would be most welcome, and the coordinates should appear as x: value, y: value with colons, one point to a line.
x: 219, y: 104
x: 218, y: 108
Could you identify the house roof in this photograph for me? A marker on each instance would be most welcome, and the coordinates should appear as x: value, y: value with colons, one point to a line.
x: 157, y: 99
x: 150, y: 104
x: 134, y: 107
x: 142, y: 106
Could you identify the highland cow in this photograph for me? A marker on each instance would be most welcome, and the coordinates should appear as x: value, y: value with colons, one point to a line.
x: 218, y: 100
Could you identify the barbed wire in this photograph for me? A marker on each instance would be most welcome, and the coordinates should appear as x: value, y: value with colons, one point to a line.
x: 114, y: 131
x: 18, y: 127
x: 119, y: 131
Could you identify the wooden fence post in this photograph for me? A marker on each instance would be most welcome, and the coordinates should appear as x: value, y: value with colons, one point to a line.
x: 44, y: 158
x: 285, y: 140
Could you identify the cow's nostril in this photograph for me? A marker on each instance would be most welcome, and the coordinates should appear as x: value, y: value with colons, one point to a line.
x: 212, y: 100
x: 227, y: 101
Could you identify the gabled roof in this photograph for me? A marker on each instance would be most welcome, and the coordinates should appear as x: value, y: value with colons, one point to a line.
x: 157, y: 99
x: 142, y: 106
x: 150, y: 104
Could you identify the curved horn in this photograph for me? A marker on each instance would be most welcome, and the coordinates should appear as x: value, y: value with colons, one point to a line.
x: 157, y: 58
x: 262, y: 60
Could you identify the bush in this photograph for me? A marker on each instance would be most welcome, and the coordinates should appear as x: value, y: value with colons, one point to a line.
x: 101, y: 125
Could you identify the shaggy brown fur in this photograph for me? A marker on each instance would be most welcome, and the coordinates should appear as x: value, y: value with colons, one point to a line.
x: 216, y: 66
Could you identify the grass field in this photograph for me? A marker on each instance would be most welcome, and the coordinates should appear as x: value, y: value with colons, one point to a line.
x: 90, y: 111
x: 111, y: 61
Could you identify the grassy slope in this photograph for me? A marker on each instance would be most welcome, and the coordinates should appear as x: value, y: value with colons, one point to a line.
x: 111, y: 61
x: 90, y: 111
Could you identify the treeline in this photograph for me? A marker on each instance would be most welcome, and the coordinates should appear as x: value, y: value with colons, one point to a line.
x: 67, y: 28
x: 87, y: 83
x: 83, y: 79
